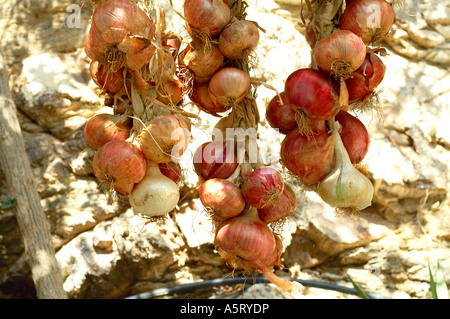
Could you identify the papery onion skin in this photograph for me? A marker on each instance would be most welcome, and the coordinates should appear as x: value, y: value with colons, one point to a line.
x: 112, y: 82
x: 223, y: 197
x: 119, y: 164
x: 366, y: 78
x: 340, y: 46
x: 203, y: 62
x: 215, y: 160
x: 354, y: 135
x: 164, y: 139
x: 313, y: 92
x: 209, y: 16
x: 238, y: 39
x: 262, y: 187
x: 280, y: 115
x: 112, y: 21
x: 369, y: 19
x: 309, y: 158
x: 229, y: 86
x: 103, y: 128
x: 284, y: 207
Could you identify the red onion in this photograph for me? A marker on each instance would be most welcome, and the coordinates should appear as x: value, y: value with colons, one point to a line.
x: 316, y: 94
x: 223, y: 197
x: 238, y: 39
x: 119, y: 164
x: 310, y: 158
x: 340, y: 53
x: 280, y: 114
x: 112, y: 82
x: 369, y: 19
x: 284, y: 206
x: 354, y: 135
x: 171, y: 170
x: 215, y: 160
x: 262, y: 187
x: 208, y: 16
x: 103, y: 128
x: 366, y: 78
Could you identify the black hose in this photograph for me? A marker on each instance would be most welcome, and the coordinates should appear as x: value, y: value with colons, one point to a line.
x: 242, y: 280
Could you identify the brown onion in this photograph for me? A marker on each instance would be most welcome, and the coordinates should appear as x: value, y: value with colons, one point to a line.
x: 238, y: 39
x: 119, y: 164
x: 202, y: 61
x: 366, y: 78
x: 112, y: 82
x: 164, y: 139
x: 369, y: 19
x: 171, y: 92
x: 215, y: 160
x: 103, y: 128
x: 310, y: 158
x: 340, y: 53
x: 354, y: 135
x: 208, y: 16
x: 262, y: 187
x: 223, y: 197
x: 199, y: 95
x: 117, y: 22
x: 284, y: 206
x: 280, y: 114
x: 229, y: 86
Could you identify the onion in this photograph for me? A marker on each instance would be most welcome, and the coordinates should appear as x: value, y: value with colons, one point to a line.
x: 199, y: 95
x: 164, y: 139
x: 354, y: 135
x: 112, y: 82
x: 309, y: 158
x: 171, y: 92
x: 215, y: 160
x: 340, y: 53
x: 207, y: 16
x: 369, y: 19
x: 238, y: 39
x: 246, y: 242
x: 262, y: 187
x: 119, y: 164
x: 120, y: 29
x: 345, y: 186
x: 155, y: 195
x: 310, y: 36
x: 366, y: 78
x: 280, y: 114
x: 284, y: 206
x: 103, y: 128
x: 229, y: 86
x: 171, y: 170
x: 314, y: 93
x: 223, y: 197
x: 202, y: 61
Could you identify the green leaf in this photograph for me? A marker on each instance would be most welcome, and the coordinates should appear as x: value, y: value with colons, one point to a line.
x: 7, y: 203
x: 360, y: 292
x: 432, y: 283
x: 441, y: 286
